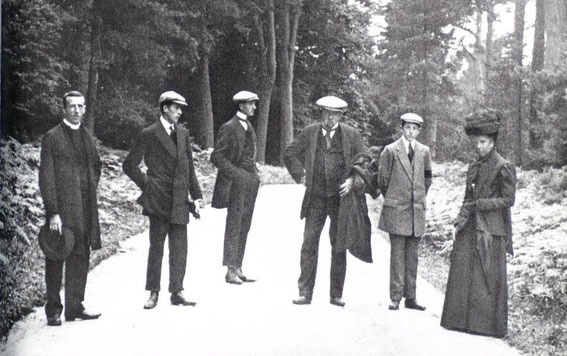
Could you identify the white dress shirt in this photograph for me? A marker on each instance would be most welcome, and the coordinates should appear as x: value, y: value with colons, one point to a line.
x: 333, y: 130
x: 166, y: 125
x: 407, y: 143
x: 242, y: 116
x: 72, y: 126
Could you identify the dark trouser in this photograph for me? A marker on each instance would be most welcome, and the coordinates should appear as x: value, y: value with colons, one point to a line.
x: 243, y: 195
x: 159, y: 229
x: 403, y: 266
x: 76, y: 270
x: 314, y: 223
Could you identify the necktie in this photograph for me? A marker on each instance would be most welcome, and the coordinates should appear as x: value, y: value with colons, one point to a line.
x: 328, y: 138
x: 410, y: 153
x: 173, y: 134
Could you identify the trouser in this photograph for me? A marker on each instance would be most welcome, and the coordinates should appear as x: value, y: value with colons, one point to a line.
x: 159, y: 230
x: 76, y: 270
x: 403, y: 266
x: 317, y: 214
x: 243, y: 195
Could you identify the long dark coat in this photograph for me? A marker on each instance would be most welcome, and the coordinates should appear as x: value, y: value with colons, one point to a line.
x: 299, y: 156
x: 476, y: 299
x: 170, y: 176
x: 227, y: 154
x: 59, y: 181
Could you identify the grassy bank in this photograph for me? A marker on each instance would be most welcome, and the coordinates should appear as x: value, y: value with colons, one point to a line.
x: 537, y: 273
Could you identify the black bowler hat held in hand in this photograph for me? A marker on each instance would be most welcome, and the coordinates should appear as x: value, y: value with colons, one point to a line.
x: 56, y: 246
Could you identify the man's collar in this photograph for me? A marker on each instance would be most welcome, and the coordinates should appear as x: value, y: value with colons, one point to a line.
x: 331, y: 129
x: 241, y: 115
x: 406, y: 143
x: 72, y: 126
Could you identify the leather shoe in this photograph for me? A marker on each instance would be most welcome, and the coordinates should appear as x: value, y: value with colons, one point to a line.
x: 302, y: 301
x: 337, y: 301
x: 412, y: 304
x: 232, y: 278
x: 394, y: 305
x: 178, y: 299
x: 152, y: 301
x: 84, y: 315
x: 54, y: 320
x: 243, y: 277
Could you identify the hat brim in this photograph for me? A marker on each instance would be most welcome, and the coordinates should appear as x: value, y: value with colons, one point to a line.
x: 55, y: 246
x: 179, y: 102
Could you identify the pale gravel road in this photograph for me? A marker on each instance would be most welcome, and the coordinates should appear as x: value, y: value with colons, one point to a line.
x: 252, y: 319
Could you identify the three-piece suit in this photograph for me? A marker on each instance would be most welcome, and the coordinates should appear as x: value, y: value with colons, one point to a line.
x: 325, y: 168
x: 166, y: 185
x: 236, y: 186
x: 68, y: 179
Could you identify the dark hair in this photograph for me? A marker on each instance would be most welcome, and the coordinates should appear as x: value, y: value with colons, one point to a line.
x: 73, y: 93
x: 405, y: 122
x: 165, y: 103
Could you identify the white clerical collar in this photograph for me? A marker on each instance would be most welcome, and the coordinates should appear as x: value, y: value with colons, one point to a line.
x: 242, y: 116
x: 72, y: 126
x: 166, y: 124
x: 407, y: 143
x: 332, y: 130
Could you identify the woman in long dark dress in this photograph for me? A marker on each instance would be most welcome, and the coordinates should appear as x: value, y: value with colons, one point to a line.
x: 476, y: 299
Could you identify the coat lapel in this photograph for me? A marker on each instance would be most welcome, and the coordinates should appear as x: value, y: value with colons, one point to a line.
x: 164, y: 138
x: 314, y: 139
x: 346, y: 141
x: 403, y: 156
x: 240, y: 134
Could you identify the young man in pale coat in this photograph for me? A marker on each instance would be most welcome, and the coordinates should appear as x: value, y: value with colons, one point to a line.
x: 404, y: 177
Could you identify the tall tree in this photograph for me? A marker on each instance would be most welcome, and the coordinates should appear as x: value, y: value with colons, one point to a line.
x: 518, y: 124
x: 94, y: 62
x: 287, y: 20
x: 556, y: 32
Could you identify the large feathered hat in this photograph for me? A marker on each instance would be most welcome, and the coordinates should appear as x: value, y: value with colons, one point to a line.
x: 483, y: 122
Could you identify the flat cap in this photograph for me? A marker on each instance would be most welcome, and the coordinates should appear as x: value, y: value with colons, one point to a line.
x: 172, y: 96
x: 411, y: 117
x: 332, y: 103
x: 244, y: 96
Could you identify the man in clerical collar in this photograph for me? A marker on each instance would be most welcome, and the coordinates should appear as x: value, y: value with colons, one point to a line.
x: 323, y: 153
x: 68, y: 179
x: 237, y: 183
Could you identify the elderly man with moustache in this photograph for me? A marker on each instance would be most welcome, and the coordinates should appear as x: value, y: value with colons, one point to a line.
x: 323, y: 153
x: 170, y: 191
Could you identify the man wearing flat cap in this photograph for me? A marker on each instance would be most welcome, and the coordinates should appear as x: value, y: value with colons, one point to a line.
x: 323, y: 154
x: 169, y: 192
x: 68, y: 179
x: 404, y: 177
x: 237, y: 184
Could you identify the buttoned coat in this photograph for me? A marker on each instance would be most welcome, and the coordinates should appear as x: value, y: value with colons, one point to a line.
x: 170, y: 176
x: 299, y: 156
x: 404, y: 186
x: 59, y: 181
x: 226, y: 156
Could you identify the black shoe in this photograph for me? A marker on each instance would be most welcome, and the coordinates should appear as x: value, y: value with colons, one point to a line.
x: 302, y: 301
x: 394, y: 305
x: 337, y: 301
x: 54, y: 320
x: 84, y: 315
x: 152, y: 301
x: 178, y: 299
x: 242, y: 277
x: 412, y: 304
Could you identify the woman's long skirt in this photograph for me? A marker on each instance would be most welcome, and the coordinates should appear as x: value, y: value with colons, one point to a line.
x: 475, y: 301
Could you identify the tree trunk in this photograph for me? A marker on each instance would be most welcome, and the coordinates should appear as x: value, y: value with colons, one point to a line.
x: 93, y: 66
x: 556, y: 32
x: 538, y: 58
x: 267, y: 74
x: 205, y: 137
x: 517, y: 121
x: 489, y: 47
x: 288, y: 23
x: 478, y: 58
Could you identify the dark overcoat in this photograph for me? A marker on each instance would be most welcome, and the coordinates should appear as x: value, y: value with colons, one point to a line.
x: 299, y: 156
x: 170, y: 176
x: 226, y: 156
x: 59, y: 181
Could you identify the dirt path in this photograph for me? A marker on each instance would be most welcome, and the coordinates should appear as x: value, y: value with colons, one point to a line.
x: 252, y: 319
